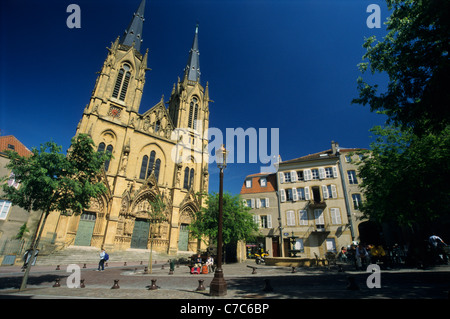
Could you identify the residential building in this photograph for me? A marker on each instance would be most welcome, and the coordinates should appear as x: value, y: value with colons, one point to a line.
x: 259, y: 193
x: 316, y: 202
x: 156, y: 152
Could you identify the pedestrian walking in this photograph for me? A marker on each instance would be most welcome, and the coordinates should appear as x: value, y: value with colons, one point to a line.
x: 103, y: 257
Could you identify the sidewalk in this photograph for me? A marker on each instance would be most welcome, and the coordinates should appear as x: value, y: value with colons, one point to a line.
x: 242, y: 283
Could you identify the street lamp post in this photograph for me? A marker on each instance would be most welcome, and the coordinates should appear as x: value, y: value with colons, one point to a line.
x: 218, y: 286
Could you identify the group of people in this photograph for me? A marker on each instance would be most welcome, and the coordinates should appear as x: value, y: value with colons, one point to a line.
x: 199, y: 266
x: 376, y: 253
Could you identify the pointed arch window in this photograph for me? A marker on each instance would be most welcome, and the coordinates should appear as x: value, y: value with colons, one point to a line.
x: 193, y: 113
x: 122, y: 81
x: 148, y: 164
x: 109, y: 149
x: 188, y: 178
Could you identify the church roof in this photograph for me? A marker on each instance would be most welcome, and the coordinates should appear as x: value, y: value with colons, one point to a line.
x: 133, y: 34
x: 192, y: 70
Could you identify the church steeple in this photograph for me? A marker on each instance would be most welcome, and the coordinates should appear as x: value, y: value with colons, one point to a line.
x: 192, y: 70
x: 133, y: 34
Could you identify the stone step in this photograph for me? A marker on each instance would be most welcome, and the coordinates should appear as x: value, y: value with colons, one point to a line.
x: 80, y: 255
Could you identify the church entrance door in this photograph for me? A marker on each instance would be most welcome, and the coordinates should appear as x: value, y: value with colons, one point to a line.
x: 183, y: 239
x: 85, y: 229
x: 141, y: 230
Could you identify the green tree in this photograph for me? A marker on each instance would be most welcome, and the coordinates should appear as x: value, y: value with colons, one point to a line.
x: 238, y: 223
x: 52, y: 181
x: 405, y: 177
x: 414, y: 55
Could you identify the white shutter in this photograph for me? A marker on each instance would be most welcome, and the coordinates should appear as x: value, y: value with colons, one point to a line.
x: 294, y: 195
x: 290, y: 218
x: 325, y: 191
x: 258, y: 203
x: 282, y: 195
x: 269, y: 221
x: 267, y: 202
x: 307, y: 175
x: 335, y: 174
x: 321, y: 173
x: 334, y: 191
x: 318, y: 215
x: 253, y: 202
x: 293, y: 176
x: 303, y: 217
x: 307, y: 196
x: 281, y: 177
x: 335, y: 216
x: 257, y: 220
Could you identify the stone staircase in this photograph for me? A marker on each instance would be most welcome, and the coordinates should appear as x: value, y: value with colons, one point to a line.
x: 90, y: 255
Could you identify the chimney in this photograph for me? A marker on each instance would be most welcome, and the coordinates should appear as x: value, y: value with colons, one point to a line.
x: 334, y: 147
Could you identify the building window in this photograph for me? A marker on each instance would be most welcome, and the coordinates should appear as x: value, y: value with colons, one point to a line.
x: 301, y: 193
x: 315, y: 173
x: 249, y: 203
x: 287, y: 177
x: 266, y: 221
x: 356, y: 201
x: 109, y: 149
x: 290, y: 218
x: 319, y: 220
x: 289, y: 194
x: 4, y: 209
x: 11, y: 147
x: 147, y: 166
x: 331, y: 245
x: 122, y: 81
x: 303, y: 217
x: 188, y: 178
x: 352, y: 177
x: 248, y: 183
x: 328, y: 172
x: 263, y: 182
x: 300, y: 176
x: 348, y: 158
x: 193, y: 113
x: 335, y: 216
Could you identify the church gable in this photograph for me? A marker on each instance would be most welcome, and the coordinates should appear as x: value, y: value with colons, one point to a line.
x: 157, y: 121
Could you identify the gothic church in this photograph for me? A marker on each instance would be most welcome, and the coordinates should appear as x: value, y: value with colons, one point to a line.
x: 161, y: 152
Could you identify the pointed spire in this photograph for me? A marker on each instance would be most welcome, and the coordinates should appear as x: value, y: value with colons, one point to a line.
x: 192, y: 70
x: 133, y: 34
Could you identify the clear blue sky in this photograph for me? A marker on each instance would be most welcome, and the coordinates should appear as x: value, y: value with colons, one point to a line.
x: 281, y: 64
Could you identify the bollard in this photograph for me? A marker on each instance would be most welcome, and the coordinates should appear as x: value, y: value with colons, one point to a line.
x: 146, y: 270
x: 153, y: 286
x: 170, y: 271
x: 200, y: 285
x: 293, y: 270
x: 141, y: 262
x: 254, y: 269
x: 57, y: 268
x: 84, y: 265
x: 125, y: 263
x: 162, y: 267
x: 267, y: 287
x: 116, y: 285
x: 82, y: 285
x: 57, y: 284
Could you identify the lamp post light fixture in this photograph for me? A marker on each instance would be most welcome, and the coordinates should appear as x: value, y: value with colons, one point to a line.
x: 218, y: 286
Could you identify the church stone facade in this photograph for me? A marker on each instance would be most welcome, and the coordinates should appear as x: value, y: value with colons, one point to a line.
x: 161, y: 152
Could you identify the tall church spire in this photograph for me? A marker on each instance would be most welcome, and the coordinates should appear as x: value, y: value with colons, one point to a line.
x: 133, y: 34
x: 192, y: 70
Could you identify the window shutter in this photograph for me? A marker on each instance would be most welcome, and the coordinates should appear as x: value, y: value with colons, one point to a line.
x: 290, y: 218
x: 282, y: 195
x: 294, y: 195
x: 293, y: 176
x: 307, y: 174
x: 269, y: 221
x: 244, y: 201
x: 253, y: 202
x: 325, y: 192
x: 258, y: 203
x: 281, y: 176
x: 307, y: 196
x: 303, y: 217
x: 335, y: 174
x: 321, y: 173
x: 334, y: 191
x: 318, y: 215
x: 256, y: 220
x: 335, y: 216
x: 267, y: 202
